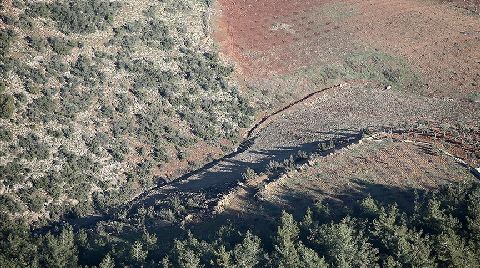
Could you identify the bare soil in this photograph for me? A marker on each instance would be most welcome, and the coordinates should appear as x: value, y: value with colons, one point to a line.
x: 383, y: 169
x: 274, y: 40
x: 286, y: 49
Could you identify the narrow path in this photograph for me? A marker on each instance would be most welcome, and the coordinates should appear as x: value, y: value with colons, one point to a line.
x: 262, y: 121
x: 211, y: 179
x: 221, y: 175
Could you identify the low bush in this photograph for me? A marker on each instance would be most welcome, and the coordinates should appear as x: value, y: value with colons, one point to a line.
x: 7, y: 105
x: 152, y: 32
x: 5, y: 135
x: 41, y: 109
x: 37, y: 43
x: 7, y: 36
x: 13, y: 173
x: 20, y: 4
x: 80, y: 16
x: 33, y: 148
x: 60, y: 45
x: 86, y: 69
x: 7, y: 203
x: 3, y: 86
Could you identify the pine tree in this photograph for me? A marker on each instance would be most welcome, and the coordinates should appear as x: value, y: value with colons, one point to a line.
x: 166, y: 262
x: 453, y: 251
x: 344, y: 246
x: 289, y: 250
x: 406, y: 247
x: 107, y: 262
x: 137, y: 252
x: 249, y: 252
x: 307, y: 220
x: 286, y: 254
x: 309, y: 258
x: 61, y: 251
x: 150, y: 240
x: 223, y: 257
x: 184, y: 256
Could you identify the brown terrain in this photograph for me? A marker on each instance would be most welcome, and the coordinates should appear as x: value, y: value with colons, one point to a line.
x: 286, y: 49
x: 283, y: 41
x: 358, y: 97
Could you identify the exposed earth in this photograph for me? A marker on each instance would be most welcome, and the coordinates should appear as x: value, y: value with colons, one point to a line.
x: 239, y: 133
x: 402, y: 63
x: 361, y: 65
x: 299, y: 44
x: 359, y: 97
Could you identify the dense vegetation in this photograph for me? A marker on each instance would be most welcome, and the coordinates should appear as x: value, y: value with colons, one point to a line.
x: 102, y: 100
x: 95, y: 102
x: 440, y: 229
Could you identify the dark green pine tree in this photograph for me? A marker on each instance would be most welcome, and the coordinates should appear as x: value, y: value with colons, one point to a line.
x: 289, y: 252
x: 249, y: 253
x: 344, y: 246
x: 61, y: 251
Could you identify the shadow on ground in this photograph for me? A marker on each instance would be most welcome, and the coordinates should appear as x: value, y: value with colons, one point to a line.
x: 262, y: 221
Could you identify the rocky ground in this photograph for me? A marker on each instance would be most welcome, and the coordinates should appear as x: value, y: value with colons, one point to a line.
x: 328, y: 75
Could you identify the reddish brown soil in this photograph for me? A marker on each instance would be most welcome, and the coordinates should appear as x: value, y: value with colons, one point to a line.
x: 245, y: 26
x: 438, y: 41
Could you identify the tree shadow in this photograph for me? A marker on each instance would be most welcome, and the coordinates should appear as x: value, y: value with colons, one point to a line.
x: 263, y: 220
x: 219, y: 177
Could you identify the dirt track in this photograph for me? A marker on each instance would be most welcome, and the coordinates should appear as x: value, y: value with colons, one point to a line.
x: 287, y: 48
x: 279, y: 45
x: 333, y: 113
x: 276, y: 43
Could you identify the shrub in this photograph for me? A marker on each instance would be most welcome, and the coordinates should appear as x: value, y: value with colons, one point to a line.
x: 41, y: 109
x: 20, y: 4
x: 35, y: 199
x: 5, y: 135
x: 87, y: 70
x: 56, y: 67
x: 9, y: 20
x: 60, y: 45
x: 30, y: 74
x: 33, y: 148
x: 7, y: 105
x: 31, y: 87
x: 6, y: 38
x: 7, y: 203
x: 156, y: 34
x: 3, y: 86
x: 80, y: 16
x: 37, y: 43
x: 12, y: 173
x: 153, y: 33
x: 25, y: 22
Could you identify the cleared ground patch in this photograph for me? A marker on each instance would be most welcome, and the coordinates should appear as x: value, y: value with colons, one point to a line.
x: 277, y: 45
x: 405, y: 62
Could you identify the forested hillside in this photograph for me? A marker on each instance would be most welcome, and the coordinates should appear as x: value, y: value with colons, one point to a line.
x: 101, y: 100
x: 440, y: 229
x: 239, y: 133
